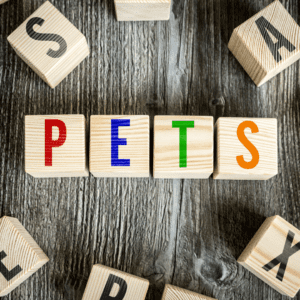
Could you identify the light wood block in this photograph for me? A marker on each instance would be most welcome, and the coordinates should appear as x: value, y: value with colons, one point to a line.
x: 67, y: 144
x: 20, y: 255
x: 49, y: 44
x: 243, y: 153
x: 142, y: 10
x: 267, y: 43
x: 183, y: 152
x: 104, y: 282
x: 273, y: 255
x: 3, y: 1
x: 119, y: 146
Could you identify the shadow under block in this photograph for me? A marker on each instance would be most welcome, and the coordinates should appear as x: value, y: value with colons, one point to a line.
x: 119, y: 146
x: 142, y: 10
x: 50, y: 44
x: 273, y: 255
x: 236, y: 137
x: 108, y: 283
x: 55, y: 146
x: 267, y: 43
x: 20, y: 255
x: 183, y: 147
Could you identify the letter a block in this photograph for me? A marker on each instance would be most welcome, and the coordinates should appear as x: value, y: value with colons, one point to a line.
x: 106, y: 283
x: 49, y: 44
x: 273, y: 255
x: 267, y: 43
x: 55, y: 146
x: 246, y: 148
x: 183, y: 146
x: 119, y: 146
x: 20, y: 255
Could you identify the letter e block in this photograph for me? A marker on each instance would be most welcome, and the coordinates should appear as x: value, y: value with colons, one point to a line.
x: 20, y: 255
x: 50, y: 44
x: 107, y: 283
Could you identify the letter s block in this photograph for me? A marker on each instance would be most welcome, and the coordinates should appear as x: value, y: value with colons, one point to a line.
x: 267, y: 43
x: 49, y: 44
x: 246, y: 148
x: 107, y: 284
x: 273, y: 255
x: 55, y: 146
x: 20, y: 256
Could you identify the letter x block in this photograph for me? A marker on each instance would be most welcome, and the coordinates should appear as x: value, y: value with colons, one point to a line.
x: 246, y: 148
x: 183, y: 146
x: 267, y: 43
x: 20, y: 255
x: 273, y: 255
x: 55, y: 146
x: 50, y: 44
x: 107, y: 283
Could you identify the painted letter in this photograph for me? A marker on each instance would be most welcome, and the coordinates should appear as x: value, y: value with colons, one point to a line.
x: 112, y: 279
x: 8, y: 275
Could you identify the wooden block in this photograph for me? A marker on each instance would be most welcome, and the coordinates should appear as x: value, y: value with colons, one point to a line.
x: 267, y: 43
x: 119, y: 146
x: 3, y: 1
x: 175, y: 293
x: 49, y: 44
x: 246, y: 148
x: 55, y: 146
x: 183, y: 147
x: 20, y: 255
x: 142, y: 10
x: 273, y: 255
x: 108, y: 283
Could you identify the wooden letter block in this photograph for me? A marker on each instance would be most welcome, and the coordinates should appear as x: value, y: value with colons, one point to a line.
x: 183, y: 147
x: 273, y: 255
x: 119, y: 146
x: 107, y: 283
x: 142, y: 10
x: 175, y: 293
x: 49, y: 44
x: 20, y: 255
x: 267, y: 43
x: 246, y: 148
x: 55, y: 146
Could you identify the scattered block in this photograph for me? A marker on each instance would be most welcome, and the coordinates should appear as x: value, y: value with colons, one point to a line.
x: 108, y: 283
x: 119, y: 146
x: 183, y: 147
x: 55, y: 146
x: 273, y: 255
x: 246, y: 148
x: 267, y: 43
x: 20, y: 255
x: 3, y: 1
x: 49, y: 44
x: 142, y: 10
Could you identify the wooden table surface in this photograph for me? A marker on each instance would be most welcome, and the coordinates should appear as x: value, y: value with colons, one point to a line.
x: 184, y: 232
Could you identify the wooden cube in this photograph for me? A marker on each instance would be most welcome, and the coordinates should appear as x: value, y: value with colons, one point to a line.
x: 183, y: 147
x: 55, y: 146
x: 49, y: 44
x: 108, y: 283
x: 20, y: 255
x: 267, y: 43
x: 3, y: 1
x: 142, y: 10
x: 246, y: 148
x: 119, y: 146
x: 273, y: 255
x: 175, y: 293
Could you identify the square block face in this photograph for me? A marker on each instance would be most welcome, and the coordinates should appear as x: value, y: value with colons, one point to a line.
x: 119, y: 146
x: 267, y: 43
x: 20, y: 256
x: 50, y: 44
x: 246, y: 148
x: 55, y: 146
x: 183, y: 146
x: 273, y: 255
x: 106, y: 282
